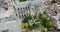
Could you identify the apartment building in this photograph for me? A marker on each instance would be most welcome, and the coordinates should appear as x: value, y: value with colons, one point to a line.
x: 28, y: 8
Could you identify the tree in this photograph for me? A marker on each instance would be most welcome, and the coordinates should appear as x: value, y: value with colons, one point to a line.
x: 45, y: 20
x: 26, y: 19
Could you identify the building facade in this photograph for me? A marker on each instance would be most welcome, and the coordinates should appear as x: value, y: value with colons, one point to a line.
x: 27, y: 8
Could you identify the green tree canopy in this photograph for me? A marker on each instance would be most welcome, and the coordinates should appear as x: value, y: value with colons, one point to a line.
x: 26, y: 19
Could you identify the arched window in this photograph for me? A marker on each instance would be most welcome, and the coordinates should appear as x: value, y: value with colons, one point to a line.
x: 21, y: 12
x: 18, y: 9
x: 21, y: 8
x: 16, y: 14
x: 26, y: 7
x: 19, y: 15
x: 22, y: 16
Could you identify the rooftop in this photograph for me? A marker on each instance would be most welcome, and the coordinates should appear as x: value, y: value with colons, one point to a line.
x: 26, y: 3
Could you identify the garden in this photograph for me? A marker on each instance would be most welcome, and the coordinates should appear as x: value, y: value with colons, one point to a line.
x: 41, y: 23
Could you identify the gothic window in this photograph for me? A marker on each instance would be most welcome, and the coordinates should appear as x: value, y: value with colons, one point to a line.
x: 21, y: 8
x: 22, y: 16
x: 18, y: 9
x: 26, y: 8
x: 16, y: 14
x: 19, y: 16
